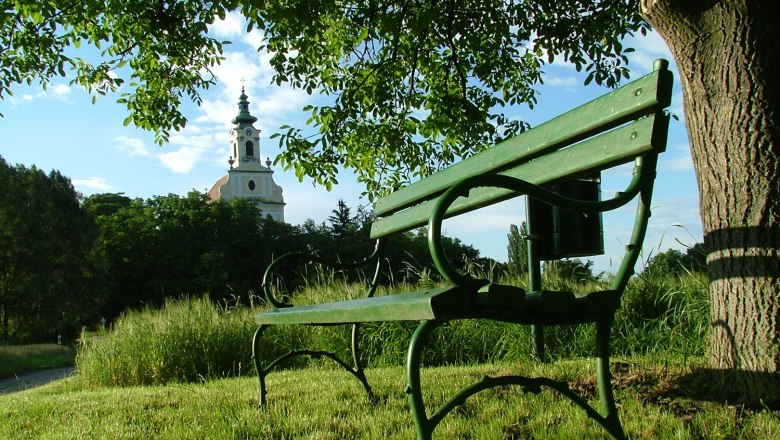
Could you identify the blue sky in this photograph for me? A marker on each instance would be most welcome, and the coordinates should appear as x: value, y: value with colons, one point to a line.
x: 59, y: 128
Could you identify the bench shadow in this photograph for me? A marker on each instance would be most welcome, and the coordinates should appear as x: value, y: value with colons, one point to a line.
x: 711, y: 385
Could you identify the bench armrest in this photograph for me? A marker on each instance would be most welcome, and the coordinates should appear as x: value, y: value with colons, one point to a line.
x: 641, y: 175
x: 312, y: 259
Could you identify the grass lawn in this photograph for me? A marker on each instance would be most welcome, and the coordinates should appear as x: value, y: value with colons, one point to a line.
x: 324, y: 403
x: 20, y: 359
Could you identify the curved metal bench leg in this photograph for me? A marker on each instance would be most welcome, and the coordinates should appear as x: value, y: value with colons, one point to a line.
x: 261, y: 373
x: 423, y: 425
x: 604, y: 377
x: 358, y: 366
x: 538, y: 335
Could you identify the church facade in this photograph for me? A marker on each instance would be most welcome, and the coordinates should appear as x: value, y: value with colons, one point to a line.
x: 247, y: 177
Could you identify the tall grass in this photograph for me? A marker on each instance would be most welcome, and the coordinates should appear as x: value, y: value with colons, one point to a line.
x: 664, y: 315
x: 659, y: 316
x: 186, y: 340
x: 193, y: 339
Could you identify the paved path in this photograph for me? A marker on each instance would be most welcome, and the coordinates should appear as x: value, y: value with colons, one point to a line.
x: 32, y: 380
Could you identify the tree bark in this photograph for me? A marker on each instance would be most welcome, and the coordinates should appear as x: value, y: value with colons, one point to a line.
x: 728, y: 55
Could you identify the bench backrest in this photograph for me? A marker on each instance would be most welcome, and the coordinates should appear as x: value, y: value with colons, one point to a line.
x: 613, y: 129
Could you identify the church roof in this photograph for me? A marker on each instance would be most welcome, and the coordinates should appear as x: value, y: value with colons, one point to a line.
x: 243, y: 117
x: 214, y: 191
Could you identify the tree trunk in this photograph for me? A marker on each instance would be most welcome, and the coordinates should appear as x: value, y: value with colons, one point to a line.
x: 728, y: 54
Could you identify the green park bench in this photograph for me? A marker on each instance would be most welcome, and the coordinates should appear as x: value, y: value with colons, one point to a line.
x: 557, y: 165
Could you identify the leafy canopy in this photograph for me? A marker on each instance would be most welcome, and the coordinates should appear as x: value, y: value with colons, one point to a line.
x: 159, y: 49
x: 412, y: 85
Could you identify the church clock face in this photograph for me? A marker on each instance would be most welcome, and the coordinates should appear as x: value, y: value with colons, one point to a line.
x: 248, y: 132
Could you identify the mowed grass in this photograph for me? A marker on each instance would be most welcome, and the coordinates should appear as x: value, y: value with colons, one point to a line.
x: 20, y: 359
x: 326, y: 403
x: 184, y: 372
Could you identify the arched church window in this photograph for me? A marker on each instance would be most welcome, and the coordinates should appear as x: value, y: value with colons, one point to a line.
x: 249, y: 148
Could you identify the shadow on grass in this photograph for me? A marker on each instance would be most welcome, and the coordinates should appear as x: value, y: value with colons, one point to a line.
x: 711, y: 385
x: 688, y: 393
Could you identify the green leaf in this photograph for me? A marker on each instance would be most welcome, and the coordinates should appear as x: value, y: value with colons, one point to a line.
x: 589, y: 78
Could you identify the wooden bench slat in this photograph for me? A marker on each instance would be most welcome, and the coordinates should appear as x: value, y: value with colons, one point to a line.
x: 612, y: 148
x: 638, y: 98
x: 508, y: 303
x: 439, y: 303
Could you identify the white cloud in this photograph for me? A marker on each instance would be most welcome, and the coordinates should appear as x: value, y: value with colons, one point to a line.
x: 254, y: 38
x: 496, y: 217
x: 196, y: 144
x: 208, y: 139
x: 238, y: 66
x: 278, y: 103
x: 191, y: 129
x: 181, y: 161
x: 219, y: 152
x: 131, y: 146
x: 236, y: 71
x: 678, y: 158
x: 199, y: 141
x: 651, y: 43
x: 305, y: 201
x: 93, y: 184
x: 232, y: 26
x: 60, y: 90
x: 676, y: 211
x: 217, y: 111
x: 681, y: 162
x: 568, y: 82
x: 271, y: 104
x: 648, y: 48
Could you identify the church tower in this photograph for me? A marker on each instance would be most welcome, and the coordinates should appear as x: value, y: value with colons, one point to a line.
x: 247, y: 178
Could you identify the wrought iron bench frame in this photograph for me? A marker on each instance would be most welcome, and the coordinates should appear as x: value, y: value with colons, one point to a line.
x: 627, y: 124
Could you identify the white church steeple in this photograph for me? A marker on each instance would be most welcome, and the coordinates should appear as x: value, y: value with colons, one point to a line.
x: 247, y: 177
x: 245, y: 137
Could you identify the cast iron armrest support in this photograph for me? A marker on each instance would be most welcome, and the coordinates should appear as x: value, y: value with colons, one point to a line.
x: 310, y: 259
x: 521, y: 187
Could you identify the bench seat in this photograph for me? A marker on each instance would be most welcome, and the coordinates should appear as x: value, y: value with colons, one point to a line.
x: 493, y: 301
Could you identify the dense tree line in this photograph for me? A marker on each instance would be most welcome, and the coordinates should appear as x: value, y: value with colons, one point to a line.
x: 674, y: 262
x: 169, y: 246
x: 51, y: 276
x: 68, y: 261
